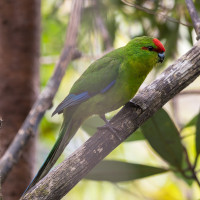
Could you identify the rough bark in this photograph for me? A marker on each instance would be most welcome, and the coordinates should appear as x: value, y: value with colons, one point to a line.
x: 64, y: 177
x: 19, y: 66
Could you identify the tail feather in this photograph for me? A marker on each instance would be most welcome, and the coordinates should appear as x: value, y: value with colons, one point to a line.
x: 67, y: 131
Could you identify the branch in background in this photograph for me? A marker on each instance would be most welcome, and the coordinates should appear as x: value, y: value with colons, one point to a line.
x: 194, y: 16
x: 175, y: 112
x: 44, y: 100
x: 191, y: 92
x: 174, y: 103
x: 45, y: 60
x: 191, y: 168
x: 1, y: 122
x: 66, y: 175
x: 156, y: 13
x: 101, y: 26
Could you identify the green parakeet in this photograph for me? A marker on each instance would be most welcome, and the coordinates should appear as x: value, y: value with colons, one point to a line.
x: 106, y: 85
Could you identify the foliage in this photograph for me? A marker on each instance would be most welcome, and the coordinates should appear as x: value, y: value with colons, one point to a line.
x: 165, y: 139
x: 116, y: 171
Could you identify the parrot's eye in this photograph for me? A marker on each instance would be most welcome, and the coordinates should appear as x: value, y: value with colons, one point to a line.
x: 150, y: 48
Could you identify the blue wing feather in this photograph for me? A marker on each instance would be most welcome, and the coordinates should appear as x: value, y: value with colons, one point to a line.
x: 71, y: 100
x: 108, y: 87
x: 74, y: 99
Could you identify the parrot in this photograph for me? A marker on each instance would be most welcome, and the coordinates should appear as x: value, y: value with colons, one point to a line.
x: 106, y: 85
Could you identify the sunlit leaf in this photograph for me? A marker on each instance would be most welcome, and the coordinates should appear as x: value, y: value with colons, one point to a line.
x: 137, y: 135
x: 192, y: 122
x: 163, y: 136
x: 117, y: 171
x: 45, y: 73
x: 48, y: 130
x: 186, y: 180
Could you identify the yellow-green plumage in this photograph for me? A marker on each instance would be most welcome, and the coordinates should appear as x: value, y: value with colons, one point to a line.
x: 106, y: 85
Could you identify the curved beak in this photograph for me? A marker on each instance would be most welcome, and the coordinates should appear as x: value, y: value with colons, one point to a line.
x: 161, y: 57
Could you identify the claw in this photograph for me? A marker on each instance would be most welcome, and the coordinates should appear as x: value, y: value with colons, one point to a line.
x: 108, y: 126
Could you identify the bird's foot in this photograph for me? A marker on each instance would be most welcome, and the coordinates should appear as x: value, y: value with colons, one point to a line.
x: 114, y: 130
x: 108, y: 126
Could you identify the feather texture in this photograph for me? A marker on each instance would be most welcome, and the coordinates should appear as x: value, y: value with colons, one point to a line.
x: 71, y: 100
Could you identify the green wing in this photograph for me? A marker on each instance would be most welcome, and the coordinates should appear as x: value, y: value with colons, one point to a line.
x: 98, y: 78
x: 98, y: 75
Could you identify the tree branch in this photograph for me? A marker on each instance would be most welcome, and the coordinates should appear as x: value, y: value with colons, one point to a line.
x: 190, y: 92
x: 194, y: 16
x: 44, y: 100
x: 102, y: 27
x: 156, y: 13
x: 66, y: 175
x: 190, y: 167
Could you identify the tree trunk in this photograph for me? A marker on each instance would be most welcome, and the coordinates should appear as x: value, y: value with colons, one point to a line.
x: 19, y: 83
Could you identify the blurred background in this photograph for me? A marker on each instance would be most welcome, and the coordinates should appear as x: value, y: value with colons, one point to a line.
x: 111, y: 24
x: 107, y: 25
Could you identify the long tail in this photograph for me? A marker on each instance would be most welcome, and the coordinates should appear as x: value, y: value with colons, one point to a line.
x: 68, y: 130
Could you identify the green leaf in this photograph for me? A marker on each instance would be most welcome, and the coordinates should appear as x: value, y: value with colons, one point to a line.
x: 192, y: 122
x: 198, y: 135
x: 163, y: 136
x: 48, y: 130
x: 189, y: 181
x: 137, y: 135
x: 117, y: 171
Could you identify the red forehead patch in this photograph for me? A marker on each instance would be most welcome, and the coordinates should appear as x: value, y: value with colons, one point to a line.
x: 160, y: 47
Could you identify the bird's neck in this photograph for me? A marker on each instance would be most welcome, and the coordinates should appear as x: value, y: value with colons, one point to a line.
x: 139, y: 68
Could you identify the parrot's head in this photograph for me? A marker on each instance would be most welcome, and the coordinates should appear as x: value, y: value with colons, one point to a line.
x: 147, y: 49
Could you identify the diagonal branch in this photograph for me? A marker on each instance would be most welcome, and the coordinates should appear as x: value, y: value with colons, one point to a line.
x: 174, y: 79
x: 194, y: 16
x: 156, y: 13
x: 102, y: 27
x: 44, y: 100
